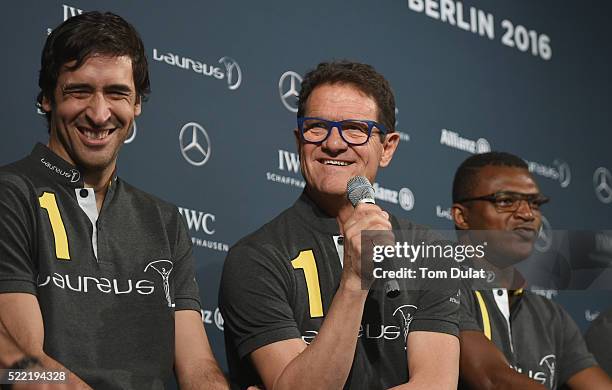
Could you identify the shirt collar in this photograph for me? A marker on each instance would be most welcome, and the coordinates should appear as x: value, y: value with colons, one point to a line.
x: 314, y: 216
x: 55, y: 167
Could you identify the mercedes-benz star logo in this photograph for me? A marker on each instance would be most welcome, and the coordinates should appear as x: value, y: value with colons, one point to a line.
x: 195, y: 144
x: 288, y: 89
x: 545, y: 236
x: 602, y: 181
x: 233, y: 73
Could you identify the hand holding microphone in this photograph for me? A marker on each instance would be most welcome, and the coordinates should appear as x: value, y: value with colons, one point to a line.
x: 367, y: 216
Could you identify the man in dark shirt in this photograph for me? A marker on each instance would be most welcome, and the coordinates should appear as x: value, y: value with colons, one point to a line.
x: 296, y: 313
x: 599, y: 340
x: 96, y: 277
x: 510, y: 337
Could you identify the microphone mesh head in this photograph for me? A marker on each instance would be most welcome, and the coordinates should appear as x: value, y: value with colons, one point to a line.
x: 359, y: 189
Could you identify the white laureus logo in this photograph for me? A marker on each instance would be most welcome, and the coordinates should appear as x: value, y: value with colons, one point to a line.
x: 163, y: 268
x: 565, y: 174
x: 406, y: 312
x: 218, y: 319
x: 132, y: 134
x: 288, y: 89
x: 194, y: 144
x: 548, y: 361
x: 545, y: 236
x: 233, y: 73
x: 602, y: 182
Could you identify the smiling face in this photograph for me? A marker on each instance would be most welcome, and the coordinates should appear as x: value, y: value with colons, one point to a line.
x: 93, y: 110
x: 328, y: 166
x: 516, y: 231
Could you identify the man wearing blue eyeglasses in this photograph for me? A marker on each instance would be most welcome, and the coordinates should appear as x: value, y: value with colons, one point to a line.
x: 299, y: 311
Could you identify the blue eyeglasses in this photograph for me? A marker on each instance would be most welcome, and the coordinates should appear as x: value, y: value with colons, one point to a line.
x: 352, y: 131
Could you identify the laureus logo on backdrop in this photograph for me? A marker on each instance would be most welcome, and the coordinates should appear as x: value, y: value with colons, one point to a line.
x: 559, y: 170
x: 602, y: 184
x: 288, y: 89
x: 228, y: 69
x: 194, y: 144
x: 456, y: 141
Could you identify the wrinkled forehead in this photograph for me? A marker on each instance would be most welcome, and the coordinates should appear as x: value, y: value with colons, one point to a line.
x: 491, y: 179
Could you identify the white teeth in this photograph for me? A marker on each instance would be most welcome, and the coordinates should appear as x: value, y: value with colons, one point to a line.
x: 96, y: 134
x: 335, y: 162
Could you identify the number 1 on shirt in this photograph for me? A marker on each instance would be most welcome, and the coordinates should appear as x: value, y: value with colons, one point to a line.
x: 306, y: 261
x: 48, y: 202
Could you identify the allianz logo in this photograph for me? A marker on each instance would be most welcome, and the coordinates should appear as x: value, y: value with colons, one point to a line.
x: 198, y: 220
x: 455, y: 141
x: 559, y: 170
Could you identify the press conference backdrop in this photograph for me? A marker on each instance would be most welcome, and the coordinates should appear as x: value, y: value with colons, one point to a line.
x: 215, y: 137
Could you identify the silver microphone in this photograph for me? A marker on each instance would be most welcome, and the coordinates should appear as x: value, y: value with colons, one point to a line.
x: 359, y: 190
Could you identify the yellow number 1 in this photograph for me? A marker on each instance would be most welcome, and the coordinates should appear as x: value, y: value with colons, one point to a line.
x: 47, y: 201
x: 306, y: 261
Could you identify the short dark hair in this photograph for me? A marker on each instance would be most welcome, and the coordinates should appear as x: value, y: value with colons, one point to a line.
x: 362, y: 76
x: 466, y: 176
x: 90, y: 33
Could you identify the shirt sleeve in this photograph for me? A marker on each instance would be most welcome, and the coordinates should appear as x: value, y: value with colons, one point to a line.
x: 437, y: 312
x: 574, y: 354
x: 186, y: 294
x: 253, y: 299
x: 18, y: 271
x: 599, y: 340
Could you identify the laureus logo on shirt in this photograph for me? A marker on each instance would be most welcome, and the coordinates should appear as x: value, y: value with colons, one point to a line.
x: 546, y: 375
x: 407, y: 314
x: 73, y: 175
x: 163, y: 268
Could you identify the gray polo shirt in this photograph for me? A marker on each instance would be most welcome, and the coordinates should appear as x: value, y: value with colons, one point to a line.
x: 107, y: 283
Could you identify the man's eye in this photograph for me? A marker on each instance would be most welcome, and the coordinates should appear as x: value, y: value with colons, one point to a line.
x: 505, y: 202
x: 78, y: 93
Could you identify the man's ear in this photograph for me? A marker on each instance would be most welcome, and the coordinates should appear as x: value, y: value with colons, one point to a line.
x: 389, y: 146
x: 298, y: 144
x: 138, y: 105
x: 460, y: 215
x: 45, y: 104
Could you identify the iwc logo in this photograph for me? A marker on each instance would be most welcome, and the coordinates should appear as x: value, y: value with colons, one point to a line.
x: 288, y: 89
x: 194, y: 144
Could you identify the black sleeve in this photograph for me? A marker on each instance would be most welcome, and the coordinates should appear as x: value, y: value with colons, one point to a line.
x: 186, y: 292
x: 18, y: 270
x: 599, y: 340
x: 437, y: 312
x: 574, y: 354
x: 254, y: 299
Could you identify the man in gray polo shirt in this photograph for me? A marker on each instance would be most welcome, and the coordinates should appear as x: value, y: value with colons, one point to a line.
x: 512, y: 338
x: 96, y: 276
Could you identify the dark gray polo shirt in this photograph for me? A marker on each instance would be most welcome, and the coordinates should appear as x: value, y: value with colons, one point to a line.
x: 107, y: 283
x: 535, y: 334
x: 269, y: 293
